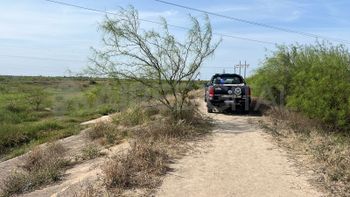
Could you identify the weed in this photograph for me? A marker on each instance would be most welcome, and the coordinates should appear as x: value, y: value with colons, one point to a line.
x: 140, y: 167
x: 132, y: 116
x: 90, y: 151
x: 106, y: 133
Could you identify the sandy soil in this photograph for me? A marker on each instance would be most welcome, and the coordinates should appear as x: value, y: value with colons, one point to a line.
x: 239, y: 159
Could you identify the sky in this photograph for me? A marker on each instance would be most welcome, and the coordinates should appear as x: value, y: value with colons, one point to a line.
x: 42, y: 38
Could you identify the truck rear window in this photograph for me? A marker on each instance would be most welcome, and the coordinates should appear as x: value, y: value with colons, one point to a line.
x: 227, y: 79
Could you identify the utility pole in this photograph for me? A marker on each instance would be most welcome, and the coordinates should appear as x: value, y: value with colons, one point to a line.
x: 245, y: 68
x: 239, y: 66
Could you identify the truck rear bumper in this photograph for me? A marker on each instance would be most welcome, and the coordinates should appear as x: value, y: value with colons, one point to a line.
x: 232, y: 104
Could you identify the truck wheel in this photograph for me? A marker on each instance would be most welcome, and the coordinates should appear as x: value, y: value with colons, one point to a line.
x: 209, y: 110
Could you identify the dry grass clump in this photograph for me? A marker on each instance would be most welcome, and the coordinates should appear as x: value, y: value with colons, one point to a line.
x: 134, y: 115
x: 140, y: 167
x: 90, y: 151
x: 106, y: 133
x: 296, y: 121
x: 329, y: 152
x: 41, y: 166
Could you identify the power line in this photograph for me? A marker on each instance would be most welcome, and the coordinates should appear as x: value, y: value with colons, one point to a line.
x: 155, y: 22
x: 255, y: 23
x: 42, y: 58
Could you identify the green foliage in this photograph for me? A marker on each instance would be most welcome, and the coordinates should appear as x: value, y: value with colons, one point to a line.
x: 34, y: 110
x: 312, y: 79
x: 37, y: 97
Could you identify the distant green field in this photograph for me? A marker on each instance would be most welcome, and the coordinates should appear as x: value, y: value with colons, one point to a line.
x: 34, y: 110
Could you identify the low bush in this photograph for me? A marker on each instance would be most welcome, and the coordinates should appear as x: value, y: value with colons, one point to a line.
x: 41, y: 166
x: 90, y: 151
x: 15, y: 107
x: 141, y: 166
x: 134, y: 115
x: 106, y: 133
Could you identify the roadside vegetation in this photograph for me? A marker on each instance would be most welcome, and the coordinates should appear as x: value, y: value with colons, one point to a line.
x: 41, y: 166
x: 154, y: 143
x: 311, y: 79
x: 34, y: 110
x: 309, y: 89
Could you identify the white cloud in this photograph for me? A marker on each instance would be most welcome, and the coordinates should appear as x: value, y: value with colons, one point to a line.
x: 153, y: 14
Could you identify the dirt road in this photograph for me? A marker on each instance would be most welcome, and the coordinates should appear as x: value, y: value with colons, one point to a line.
x: 239, y: 160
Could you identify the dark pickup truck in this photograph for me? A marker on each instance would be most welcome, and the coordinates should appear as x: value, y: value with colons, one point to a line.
x: 227, y: 92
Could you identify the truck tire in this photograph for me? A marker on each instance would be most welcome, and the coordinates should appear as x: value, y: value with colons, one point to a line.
x: 246, y: 110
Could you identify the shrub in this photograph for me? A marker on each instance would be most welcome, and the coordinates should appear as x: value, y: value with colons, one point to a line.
x: 106, y: 133
x: 41, y: 166
x: 15, y: 107
x: 139, y: 167
x: 314, y: 80
x: 135, y: 115
x: 90, y: 151
x: 37, y: 98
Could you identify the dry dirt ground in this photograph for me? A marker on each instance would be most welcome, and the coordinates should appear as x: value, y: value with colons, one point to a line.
x: 239, y: 159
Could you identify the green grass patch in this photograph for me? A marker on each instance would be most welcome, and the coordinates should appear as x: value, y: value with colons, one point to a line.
x: 34, y: 110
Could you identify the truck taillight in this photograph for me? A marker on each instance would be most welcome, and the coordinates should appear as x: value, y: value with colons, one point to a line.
x: 211, y: 91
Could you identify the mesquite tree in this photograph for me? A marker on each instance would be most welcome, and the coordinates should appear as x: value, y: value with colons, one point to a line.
x: 166, y: 66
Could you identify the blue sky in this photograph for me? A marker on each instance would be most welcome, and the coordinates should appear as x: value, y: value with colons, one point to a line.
x: 58, y: 38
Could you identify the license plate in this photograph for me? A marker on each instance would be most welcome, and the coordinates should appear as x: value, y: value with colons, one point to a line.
x: 231, y: 96
x: 229, y: 102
